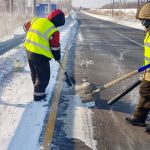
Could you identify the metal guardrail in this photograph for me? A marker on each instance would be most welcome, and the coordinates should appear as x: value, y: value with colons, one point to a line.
x: 11, y: 43
x: 19, y: 39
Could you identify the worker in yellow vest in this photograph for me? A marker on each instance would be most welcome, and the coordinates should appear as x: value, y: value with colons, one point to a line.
x: 42, y: 43
x: 143, y: 107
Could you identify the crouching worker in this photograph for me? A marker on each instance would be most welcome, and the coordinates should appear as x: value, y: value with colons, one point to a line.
x: 143, y: 107
x: 42, y: 43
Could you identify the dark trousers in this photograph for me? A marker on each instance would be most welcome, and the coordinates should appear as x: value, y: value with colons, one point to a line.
x: 40, y: 74
x: 143, y: 107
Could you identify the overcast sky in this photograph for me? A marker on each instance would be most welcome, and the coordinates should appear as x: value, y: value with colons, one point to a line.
x: 90, y: 3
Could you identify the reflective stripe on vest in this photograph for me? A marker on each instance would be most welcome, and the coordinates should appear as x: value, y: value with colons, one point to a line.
x: 147, y: 49
x: 39, y: 93
x: 37, y: 44
x: 38, y: 33
x: 147, y: 59
x: 44, y: 36
x: 37, y: 38
x: 33, y: 20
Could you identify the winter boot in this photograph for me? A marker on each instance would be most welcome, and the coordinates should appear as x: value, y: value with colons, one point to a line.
x: 136, y: 122
x: 40, y: 98
x: 147, y: 129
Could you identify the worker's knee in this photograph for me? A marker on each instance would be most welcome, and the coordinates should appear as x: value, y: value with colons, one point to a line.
x: 145, y: 89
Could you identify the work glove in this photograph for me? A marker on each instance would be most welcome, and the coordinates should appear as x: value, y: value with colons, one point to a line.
x: 56, y: 54
x: 57, y: 57
x: 141, y: 77
x: 147, y: 76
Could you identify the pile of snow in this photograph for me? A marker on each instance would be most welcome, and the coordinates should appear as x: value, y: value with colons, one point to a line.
x: 126, y: 11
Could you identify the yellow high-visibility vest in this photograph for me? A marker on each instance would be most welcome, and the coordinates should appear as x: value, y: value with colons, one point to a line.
x: 37, y: 38
x: 147, y: 48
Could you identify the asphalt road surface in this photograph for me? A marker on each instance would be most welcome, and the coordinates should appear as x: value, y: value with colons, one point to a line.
x: 100, y: 52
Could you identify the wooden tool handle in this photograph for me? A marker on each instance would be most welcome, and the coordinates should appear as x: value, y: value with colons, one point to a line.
x: 120, y: 79
x: 61, y: 66
x: 110, y: 84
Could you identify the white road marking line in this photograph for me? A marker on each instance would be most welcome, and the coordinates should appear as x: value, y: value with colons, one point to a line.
x: 124, y: 36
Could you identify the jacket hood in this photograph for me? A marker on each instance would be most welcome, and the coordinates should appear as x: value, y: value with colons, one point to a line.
x: 57, y: 17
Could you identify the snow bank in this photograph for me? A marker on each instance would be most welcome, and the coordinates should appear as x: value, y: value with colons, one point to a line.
x: 124, y: 20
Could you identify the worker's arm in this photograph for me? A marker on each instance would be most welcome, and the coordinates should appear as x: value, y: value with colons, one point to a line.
x: 55, y: 45
x: 27, y: 26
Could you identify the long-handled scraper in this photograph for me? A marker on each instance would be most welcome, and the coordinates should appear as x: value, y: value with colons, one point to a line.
x: 88, y: 91
x: 69, y: 80
x: 123, y: 93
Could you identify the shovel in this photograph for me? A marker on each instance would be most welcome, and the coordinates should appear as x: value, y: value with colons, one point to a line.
x: 124, y: 92
x: 69, y: 80
x: 87, y: 88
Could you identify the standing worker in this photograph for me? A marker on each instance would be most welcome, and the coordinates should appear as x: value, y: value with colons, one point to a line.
x: 143, y: 107
x: 42, y: 43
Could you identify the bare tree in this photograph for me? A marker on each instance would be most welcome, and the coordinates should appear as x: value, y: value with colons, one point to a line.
x: 11, y: 5
x: 65, y: 5
x: 7, y: 4
x: 34, y: 7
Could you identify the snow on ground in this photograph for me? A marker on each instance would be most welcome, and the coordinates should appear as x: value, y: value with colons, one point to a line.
x: 21, y: 118
x: 127, y: 12
x: 78, y: 124
x: 123, y: 21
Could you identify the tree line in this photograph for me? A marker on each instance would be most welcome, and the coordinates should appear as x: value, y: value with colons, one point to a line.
x: 14, y: 6
x: 122, y: 4
x: 23, y: 7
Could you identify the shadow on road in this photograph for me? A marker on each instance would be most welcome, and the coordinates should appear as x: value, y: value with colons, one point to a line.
x: 119, y: 106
